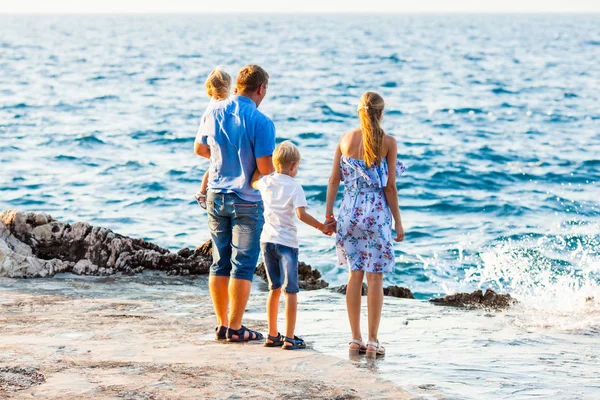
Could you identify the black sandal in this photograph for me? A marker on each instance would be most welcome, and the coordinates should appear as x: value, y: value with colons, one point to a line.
x: 297, y: 343
x: 221, y: 333
x: 277, y: 341
x: 252, y: 335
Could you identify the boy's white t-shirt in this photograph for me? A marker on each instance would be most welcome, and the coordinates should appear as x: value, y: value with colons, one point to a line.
x: 281, y: 195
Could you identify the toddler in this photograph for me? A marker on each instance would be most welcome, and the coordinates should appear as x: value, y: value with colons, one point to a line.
x: 218, y: 85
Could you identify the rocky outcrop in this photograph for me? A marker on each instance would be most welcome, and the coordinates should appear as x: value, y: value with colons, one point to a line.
x: 342, y: 289
x: 37, y: 245
x: 308, y: 277
x: 392, y: 291
x: 398, y: 291
x: 477, y: 299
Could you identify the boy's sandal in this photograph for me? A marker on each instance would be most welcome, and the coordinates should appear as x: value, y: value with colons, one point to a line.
x: 276, y: 341
x: 362, y: 347
x: 378, y: 352
x: 296, y: 342
x: 221, y: 333
x: 252, y: 335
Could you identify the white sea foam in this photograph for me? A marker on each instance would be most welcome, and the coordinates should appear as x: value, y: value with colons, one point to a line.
x: 555, y: 277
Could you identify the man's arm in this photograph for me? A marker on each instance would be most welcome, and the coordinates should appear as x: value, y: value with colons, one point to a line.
x: 254, y: 180
x: 202, y: 150
x: 264, y: 165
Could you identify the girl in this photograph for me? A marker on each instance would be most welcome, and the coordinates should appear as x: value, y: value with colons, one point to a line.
x: 366, y: 160
x: 218, y: 85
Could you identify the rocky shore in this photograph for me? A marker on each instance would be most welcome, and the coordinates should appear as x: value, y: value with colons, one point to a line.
x: 35, y: 245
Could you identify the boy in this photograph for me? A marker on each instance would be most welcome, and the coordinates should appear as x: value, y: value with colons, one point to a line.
x: 282, y: 198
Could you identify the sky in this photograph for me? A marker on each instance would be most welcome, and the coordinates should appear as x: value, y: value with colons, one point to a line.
x: 296, y: 6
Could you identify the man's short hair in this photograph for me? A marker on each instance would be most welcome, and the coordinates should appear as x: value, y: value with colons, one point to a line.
x: 285, y: 154
x: 250, y: 78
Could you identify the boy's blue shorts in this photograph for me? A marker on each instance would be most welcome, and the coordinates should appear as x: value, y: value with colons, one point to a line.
x: 281, y: 263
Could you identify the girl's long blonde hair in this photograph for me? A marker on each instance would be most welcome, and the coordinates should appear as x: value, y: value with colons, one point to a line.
x: 370, y: 110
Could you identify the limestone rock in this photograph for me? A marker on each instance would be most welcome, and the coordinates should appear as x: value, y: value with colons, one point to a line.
x: 477, y: 299
x: 84, y: 267
x: 36, y: 245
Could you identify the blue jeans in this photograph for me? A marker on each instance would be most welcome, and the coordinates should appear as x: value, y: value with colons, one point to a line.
x: 235, y: 228
x: 281, y: 263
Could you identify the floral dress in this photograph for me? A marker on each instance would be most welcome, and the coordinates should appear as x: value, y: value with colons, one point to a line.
x: 364, y: 228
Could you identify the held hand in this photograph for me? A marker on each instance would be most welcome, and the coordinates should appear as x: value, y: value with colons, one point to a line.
x: 328, y: 229
x: 399, y: 232
x: 331, y: 222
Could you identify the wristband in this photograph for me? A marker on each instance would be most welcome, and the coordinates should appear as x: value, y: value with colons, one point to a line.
x: 320, y: 226
x: 330, y: 216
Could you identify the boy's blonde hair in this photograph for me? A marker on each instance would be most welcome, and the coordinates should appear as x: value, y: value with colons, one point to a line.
x: 285, y: 154
x: 218, y: 84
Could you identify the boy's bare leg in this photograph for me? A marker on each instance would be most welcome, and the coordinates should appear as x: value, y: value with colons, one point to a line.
x: 291, y: 311
x: 353, y: 303
x: 220, y: 298
x: 374, y: 303
x: 272, y: 311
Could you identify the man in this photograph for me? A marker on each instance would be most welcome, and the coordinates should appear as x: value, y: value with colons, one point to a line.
x: 238, y: 139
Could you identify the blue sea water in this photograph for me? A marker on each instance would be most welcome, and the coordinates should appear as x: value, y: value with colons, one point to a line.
x: 497, y: 118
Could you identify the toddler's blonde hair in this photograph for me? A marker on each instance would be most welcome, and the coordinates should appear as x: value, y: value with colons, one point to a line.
x: 285, y: 154
x: 218, y: 84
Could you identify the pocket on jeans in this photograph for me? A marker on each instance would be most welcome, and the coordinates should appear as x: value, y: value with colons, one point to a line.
x: 246, y: 215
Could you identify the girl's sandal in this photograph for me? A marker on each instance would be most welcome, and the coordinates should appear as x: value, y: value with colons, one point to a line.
x: 378, y: 352
x: 354, y: 351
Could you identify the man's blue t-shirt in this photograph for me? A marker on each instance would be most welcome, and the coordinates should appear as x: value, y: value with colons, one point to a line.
x: 237, y: 133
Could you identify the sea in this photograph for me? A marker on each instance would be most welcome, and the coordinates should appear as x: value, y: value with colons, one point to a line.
x: 497, y: 118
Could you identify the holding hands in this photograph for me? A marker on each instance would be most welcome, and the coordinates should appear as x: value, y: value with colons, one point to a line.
x: 329, y: 226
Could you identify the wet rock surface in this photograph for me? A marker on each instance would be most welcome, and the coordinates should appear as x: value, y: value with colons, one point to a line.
x: 36, y: 245
x: 392, y: 291
x: 477, y: 299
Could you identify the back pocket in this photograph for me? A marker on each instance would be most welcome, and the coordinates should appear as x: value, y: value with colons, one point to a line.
x: 246, y: 216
